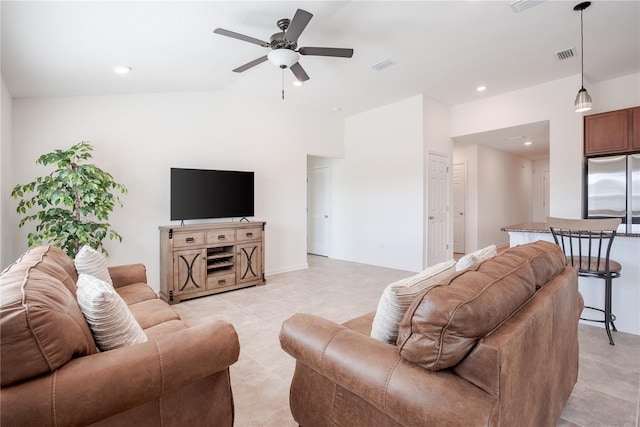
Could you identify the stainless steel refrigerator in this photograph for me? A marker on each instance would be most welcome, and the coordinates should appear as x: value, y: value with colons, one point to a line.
x: 612, y: 188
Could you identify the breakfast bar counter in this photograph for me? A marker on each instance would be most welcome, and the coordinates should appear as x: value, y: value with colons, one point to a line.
x: 626, y: 288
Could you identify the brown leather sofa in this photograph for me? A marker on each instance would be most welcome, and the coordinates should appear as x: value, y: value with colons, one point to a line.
x: 52, y: 373
x: 493, y: 345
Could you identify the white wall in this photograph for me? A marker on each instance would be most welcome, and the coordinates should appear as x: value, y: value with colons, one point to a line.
x: 6, y: 255
x: 615, y: 94
x: 551, y: 101
x: 498, y: 193
x: 139, y: 137
x: 504, y: 194
x: 377, y: 188
x: 437, y: 140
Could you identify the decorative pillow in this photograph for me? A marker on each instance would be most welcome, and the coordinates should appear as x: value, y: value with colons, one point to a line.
x: 445, y: 322
x: 41, y: 325
x: 109, y: 318
x: 92, y: 262
x: 477, y: 256
x: 398, y: 296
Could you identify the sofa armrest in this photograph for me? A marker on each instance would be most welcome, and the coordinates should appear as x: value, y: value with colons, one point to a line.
x: 374, y: 371
x: 123, y: 275
x: 93, y: 387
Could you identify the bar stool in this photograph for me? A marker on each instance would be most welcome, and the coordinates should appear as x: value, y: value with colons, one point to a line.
x: 587, y: 244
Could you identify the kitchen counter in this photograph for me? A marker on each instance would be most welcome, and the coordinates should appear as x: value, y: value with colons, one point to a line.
x: 625, y: 298
x: 624, y: 230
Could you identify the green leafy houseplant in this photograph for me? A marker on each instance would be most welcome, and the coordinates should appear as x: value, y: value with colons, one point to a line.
x: 72, y: 203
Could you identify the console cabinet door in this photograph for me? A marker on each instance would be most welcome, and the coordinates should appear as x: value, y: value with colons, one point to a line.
x: 606, y: 133
x: 249, y: 265
x: 189, y: 271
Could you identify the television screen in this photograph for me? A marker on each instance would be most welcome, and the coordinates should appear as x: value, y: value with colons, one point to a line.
x: 203, y: 194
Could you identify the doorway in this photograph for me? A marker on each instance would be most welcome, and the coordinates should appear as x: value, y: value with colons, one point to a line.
x: 318, y: 208
x: 437, y: 209
x: 459, y: 181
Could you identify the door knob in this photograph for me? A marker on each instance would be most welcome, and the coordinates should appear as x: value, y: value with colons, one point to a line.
x: 461, y: 213
x: 431, y: 217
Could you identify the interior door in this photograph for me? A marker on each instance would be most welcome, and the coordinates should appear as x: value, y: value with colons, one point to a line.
x: 318, y: 206
x: 437, y: 209
x: 459, y: 182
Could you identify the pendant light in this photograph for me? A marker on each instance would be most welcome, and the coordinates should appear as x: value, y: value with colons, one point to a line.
x: 583, y: 99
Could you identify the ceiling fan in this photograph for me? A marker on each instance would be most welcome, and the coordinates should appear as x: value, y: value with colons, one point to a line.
x: 284, y: 44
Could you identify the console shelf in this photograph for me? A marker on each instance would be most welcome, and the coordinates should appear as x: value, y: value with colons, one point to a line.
x: 205, y: 259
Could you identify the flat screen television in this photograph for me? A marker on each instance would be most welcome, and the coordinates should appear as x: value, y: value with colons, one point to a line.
x: 205, y: 194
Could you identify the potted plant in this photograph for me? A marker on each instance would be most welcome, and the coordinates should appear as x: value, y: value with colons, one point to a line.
x: 72, y: 203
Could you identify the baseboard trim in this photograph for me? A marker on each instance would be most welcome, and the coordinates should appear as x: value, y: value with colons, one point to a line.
x: 286, y: 269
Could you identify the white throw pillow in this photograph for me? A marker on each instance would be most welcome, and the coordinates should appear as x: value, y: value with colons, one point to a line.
x: 92, y: 262
x: 108, y: 316
x: 398, y: 296
x: 480, y: 255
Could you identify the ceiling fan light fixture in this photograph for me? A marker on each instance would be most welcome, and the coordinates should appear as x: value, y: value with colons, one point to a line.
x: 283, y: 58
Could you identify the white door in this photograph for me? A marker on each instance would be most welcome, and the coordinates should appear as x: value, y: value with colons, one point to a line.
x: 318, y: 204
x: 459, y: 182
x: 437, y: 209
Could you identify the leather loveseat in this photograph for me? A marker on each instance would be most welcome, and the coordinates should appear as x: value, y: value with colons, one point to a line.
x: 493, y: 345
x: 52, y: 373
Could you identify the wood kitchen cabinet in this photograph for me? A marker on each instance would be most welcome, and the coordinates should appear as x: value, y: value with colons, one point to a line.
x: 613, y: 132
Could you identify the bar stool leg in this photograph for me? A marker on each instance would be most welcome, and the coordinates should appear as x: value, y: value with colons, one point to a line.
x: 608, y: 318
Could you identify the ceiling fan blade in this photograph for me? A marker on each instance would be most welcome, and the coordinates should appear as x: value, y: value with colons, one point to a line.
x: 239, y: 36
x: 248, y: 65
x: 299, y: 72
x: 297, y: 25
x: 326, y: 51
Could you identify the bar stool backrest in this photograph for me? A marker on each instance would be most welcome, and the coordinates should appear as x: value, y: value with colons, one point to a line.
x: 586, y: 242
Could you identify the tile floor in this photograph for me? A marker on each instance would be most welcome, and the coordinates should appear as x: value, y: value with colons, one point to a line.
x: 607, y: 392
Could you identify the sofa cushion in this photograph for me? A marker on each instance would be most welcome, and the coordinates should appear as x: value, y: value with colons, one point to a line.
x: 109, y: 318
x: 446, y: 321
x: 92, y: 262
x: 398, y: 296
x: 152, y: 312
x: 41, y: 325
x: 547, y: 259
x: 137, y: 292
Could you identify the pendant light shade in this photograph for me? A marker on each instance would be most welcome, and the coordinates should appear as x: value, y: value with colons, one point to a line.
x: 583, y: 99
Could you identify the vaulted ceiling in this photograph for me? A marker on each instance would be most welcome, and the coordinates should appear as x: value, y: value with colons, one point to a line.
x: 443, y: 49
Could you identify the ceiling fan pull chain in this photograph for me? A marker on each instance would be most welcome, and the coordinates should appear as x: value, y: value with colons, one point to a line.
x: 283, y: 84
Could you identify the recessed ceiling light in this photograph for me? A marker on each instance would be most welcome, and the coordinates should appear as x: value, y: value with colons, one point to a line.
x: 122, y: 69
x: 297, y: 83
x: 528, y: 143
x: 481, y: 88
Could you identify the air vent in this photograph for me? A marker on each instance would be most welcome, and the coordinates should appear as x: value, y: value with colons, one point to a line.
x: 382, y: 65
x: 520, y: 5
x: 566, y: 54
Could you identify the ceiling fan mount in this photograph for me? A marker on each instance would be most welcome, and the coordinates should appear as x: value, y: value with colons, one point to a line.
x: 284, y: 45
